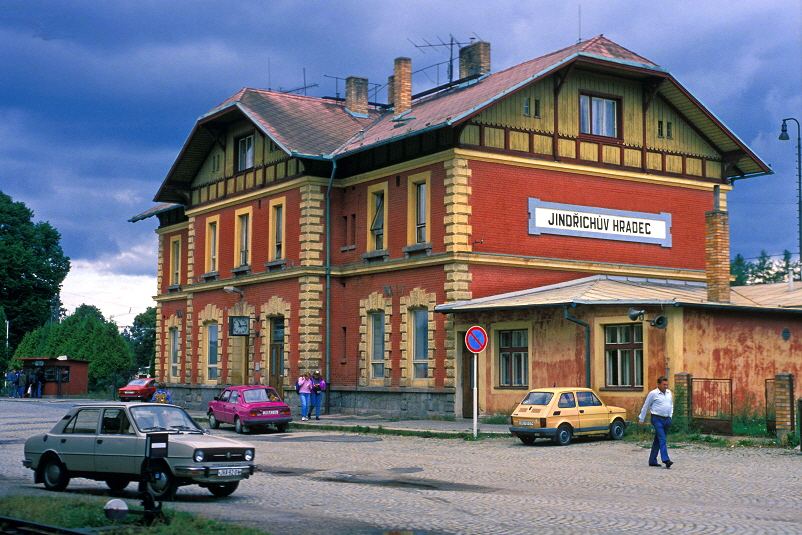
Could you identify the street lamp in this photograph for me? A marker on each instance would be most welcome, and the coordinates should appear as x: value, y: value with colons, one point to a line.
x: 784, y: 137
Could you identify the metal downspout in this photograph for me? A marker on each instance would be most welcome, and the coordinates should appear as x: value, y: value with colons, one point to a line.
x: 587, y: 344
x: 328, y: 285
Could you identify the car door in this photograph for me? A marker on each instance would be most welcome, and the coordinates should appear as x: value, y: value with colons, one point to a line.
x: 566, y: 410
x: 76, y: 443
x: 230, y: 406
x: 593, y: 414
x: 116, y: 444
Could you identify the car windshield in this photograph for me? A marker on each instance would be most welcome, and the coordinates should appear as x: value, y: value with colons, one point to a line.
x: 538, y: 398
x: 138, y: 382
x: 155, y: 418
x: 260, y: 394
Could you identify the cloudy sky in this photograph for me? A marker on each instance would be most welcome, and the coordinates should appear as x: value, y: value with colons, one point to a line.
x: 97, y: 97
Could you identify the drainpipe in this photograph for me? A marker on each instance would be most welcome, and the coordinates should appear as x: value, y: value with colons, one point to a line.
x: 328, y: 284
x: 587, y: 343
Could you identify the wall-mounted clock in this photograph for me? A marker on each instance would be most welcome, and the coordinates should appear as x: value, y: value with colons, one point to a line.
x: 239, y: 326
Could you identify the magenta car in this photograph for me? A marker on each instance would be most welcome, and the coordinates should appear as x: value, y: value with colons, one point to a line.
x: 248, y: 407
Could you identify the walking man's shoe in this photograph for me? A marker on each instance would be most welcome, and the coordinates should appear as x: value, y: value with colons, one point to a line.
x: 669, y: 463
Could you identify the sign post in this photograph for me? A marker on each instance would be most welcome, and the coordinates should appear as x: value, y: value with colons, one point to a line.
x: 476, y: 341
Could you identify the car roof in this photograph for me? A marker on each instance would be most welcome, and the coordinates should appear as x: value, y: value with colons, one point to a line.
x: 563, y: 389
x: 117, y: 404
x: 248, y: 387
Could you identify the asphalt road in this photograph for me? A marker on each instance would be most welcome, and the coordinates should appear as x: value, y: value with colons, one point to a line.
x: 330, y: 482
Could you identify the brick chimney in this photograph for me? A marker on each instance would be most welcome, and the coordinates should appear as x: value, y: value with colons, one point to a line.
x: 717, y: 252
x: 474, y: 59
x: 356, y: 95
x: 402, y: 85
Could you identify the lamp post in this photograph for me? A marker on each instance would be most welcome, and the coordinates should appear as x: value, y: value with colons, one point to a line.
x: 784, y: 137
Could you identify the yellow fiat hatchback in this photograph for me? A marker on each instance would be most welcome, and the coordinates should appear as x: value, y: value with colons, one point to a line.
x: 563, y: 413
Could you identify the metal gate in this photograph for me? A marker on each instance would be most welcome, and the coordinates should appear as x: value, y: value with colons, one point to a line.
x: 711, y: 400
x: 771, y: 414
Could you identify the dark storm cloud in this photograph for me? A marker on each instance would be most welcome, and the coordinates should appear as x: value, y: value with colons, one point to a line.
x: 98, y: 97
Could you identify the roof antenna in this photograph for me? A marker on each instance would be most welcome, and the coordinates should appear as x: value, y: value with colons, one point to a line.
x: 579, y: 40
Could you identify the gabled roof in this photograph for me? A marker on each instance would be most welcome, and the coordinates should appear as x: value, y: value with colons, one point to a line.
x: 462, y: 103
x: 626, y: 291
x: 323, y: 128
x: 299, y: 125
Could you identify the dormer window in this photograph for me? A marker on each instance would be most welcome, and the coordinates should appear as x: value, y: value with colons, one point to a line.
x: 245, y: 153
x: 598, y: 116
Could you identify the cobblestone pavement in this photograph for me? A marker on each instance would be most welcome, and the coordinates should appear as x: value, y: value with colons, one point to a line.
x: 314, y: 482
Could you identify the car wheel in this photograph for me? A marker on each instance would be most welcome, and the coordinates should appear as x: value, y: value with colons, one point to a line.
x: 563, y: 435
x: 164, y: 484
x: 221, y: 490
x: 527, y: 440
x: 213, y: 423
x: 54, y: 474
x: 282, y: 428
x: 239, y: 428
x: 117, y: 483
x: 616, y: 430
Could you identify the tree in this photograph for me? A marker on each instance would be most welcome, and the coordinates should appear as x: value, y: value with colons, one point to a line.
x: 142, y: 339
x: 763, y: 271
x: 740, y: 269
x: 32, y: 268
x: 84, y: 335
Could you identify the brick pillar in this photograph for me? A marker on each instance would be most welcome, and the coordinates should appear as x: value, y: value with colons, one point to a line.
x: 402, y: 88
x: 717, y: 256
x: 784, y: 403
x: 683, y: 398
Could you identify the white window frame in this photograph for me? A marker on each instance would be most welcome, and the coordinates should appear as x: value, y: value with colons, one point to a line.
x: 245, y: 152
x: 599, y: 116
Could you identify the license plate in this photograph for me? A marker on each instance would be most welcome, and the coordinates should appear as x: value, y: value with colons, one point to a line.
x: 127, y: 392
x: 527, y: 423
x: 229, y: 472
x: 269, y: 412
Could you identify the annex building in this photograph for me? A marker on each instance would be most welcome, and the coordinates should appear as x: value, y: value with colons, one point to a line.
x: 541, y: 202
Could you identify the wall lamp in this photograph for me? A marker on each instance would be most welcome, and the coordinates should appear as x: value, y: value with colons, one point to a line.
x: 233, y: 290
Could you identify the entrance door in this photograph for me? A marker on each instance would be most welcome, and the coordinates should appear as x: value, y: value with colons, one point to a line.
x: 467, y: 378
x: 275, y: 375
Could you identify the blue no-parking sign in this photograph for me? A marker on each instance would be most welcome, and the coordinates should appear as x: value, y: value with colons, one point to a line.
x: 476, y: 339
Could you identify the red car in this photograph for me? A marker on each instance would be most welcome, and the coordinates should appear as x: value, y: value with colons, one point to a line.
x: 138, y: 389
x: 248, y: 407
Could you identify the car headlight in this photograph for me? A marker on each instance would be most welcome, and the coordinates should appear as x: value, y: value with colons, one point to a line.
x: 198, y: 456
x: 248, y: 455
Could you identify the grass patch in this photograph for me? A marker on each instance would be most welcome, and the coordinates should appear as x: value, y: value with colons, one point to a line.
x: 77, y: 512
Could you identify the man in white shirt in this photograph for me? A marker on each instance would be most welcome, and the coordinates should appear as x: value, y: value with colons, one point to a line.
x: 660, y: 403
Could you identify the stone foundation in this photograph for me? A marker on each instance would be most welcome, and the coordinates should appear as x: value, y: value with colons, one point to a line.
x: 406, y: 404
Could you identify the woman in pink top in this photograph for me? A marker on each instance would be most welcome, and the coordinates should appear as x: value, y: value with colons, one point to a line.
x: 304, y: 388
